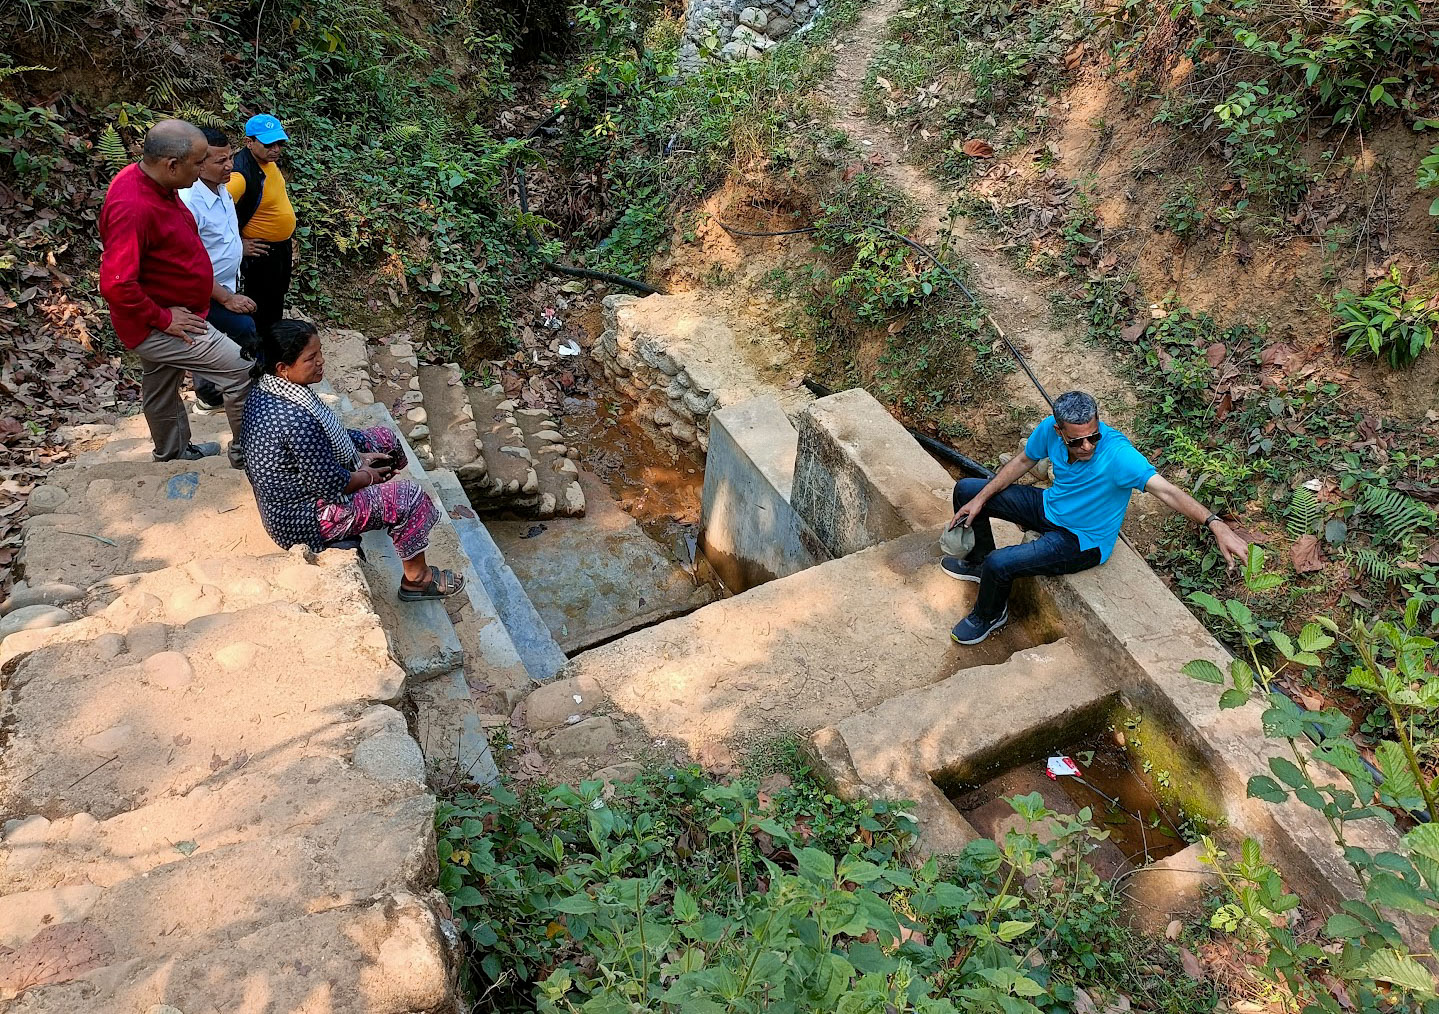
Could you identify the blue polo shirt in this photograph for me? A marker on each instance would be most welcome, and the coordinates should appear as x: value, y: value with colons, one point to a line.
x: 1090, y: 497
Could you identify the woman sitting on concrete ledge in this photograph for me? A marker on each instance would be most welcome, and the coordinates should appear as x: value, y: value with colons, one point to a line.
x: 318, y: 483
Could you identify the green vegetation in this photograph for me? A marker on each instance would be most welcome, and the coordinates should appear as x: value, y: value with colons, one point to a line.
x: 955, y: 66
x: 1362, y: 946
x: 1388, y: 322
x: 1264, y: 72
x: 399, y: 181
x: 679, y: 893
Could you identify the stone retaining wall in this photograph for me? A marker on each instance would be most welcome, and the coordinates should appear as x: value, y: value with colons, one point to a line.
x: 669, y: 401
x: 741, y: 29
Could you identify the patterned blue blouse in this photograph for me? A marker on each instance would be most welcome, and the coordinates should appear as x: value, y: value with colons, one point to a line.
x: 291, y: 466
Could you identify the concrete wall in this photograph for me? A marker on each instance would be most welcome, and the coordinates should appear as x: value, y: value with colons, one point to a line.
x: 749, y: 532
x: 861, y: 479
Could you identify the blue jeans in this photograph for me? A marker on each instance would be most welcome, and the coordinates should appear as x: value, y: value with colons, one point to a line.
x: 1056, y: 551
x: 240, y: 327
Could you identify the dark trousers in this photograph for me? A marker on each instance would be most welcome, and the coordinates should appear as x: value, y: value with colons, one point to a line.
x: 1056, y: 551
x: 266, y: 280
x: 240, y: 327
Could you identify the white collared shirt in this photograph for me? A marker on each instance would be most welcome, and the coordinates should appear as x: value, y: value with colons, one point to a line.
x: 214, y: 212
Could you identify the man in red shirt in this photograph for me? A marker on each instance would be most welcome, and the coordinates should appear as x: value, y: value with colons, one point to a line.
x: 157, y: 278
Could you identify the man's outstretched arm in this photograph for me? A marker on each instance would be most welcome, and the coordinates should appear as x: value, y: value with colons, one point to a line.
x: 1231, y: 546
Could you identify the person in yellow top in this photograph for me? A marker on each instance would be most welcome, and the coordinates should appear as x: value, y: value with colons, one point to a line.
x: 267, y: 219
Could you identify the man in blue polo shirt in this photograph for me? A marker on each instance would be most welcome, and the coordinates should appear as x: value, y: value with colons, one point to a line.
x: 1078, y: 517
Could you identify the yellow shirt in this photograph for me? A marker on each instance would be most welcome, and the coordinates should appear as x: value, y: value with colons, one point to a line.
x: 274, y: 219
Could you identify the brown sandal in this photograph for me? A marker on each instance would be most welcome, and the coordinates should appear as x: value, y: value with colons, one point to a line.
x: 441, y: 584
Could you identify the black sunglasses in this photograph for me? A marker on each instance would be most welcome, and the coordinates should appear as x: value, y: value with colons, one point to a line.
x: 1088, y: 438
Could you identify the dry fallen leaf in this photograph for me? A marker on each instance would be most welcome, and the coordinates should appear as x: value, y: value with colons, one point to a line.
x: 977, y: 148
x: 58, y: 953
x: 1305, y: 555
x: 1191, y: 965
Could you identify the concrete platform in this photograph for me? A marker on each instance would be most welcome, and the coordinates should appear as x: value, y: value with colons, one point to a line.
x: 596, y: 577
x: 962, y: 729
x: 802, y: 652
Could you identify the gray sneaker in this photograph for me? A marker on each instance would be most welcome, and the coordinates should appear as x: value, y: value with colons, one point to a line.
x: 972, y: 630
x: 194, y: 452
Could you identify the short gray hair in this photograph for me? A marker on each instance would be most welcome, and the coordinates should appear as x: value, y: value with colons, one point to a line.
x: 1075, y: 408
x: 171, y: 139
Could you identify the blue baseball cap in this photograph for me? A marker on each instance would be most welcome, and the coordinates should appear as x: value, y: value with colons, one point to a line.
x: 265, y: 128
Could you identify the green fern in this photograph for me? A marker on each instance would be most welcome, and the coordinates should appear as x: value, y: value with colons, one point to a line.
x: 11, y: 71
x: 1304, y: 512
x: 397, y: 135
x: 111, y: 149
x: 1397, y: 516
x: 1373, y: 564
x: 199, y: 116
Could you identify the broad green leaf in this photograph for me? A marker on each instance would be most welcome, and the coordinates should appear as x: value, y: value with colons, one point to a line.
x: 1233, y: 699
x: 1399, y: 781
x: 1282, y: 642
x: 685, y: 907
x: 1204, y: 670
x: 860, y: 871
x: 815, y: 865
x: 1242, y: 676
x: 1388, y: 891
x: 1313, y: 638
x: 1401, y: 970
x: 576, y: 904
x: 467, y: 897
x: 1209, y: 604
x: 1287, y: 771
x: 1240, y: 613
x: 1424, y: 841
x: 1343, y: 926
x: 1012, y: 929
x: 1266, y: 788
x: 722, y: 825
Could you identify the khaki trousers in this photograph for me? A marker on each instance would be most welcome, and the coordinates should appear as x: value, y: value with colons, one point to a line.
x: 213, y: 357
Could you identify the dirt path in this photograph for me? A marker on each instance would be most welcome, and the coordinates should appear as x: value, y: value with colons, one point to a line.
x: 1018, y: 303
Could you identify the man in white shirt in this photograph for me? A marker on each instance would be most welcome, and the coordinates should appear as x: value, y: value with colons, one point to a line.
x: 214, y: 210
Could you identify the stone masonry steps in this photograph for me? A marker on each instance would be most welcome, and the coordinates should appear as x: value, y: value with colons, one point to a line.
x: 194, y: 904
x: 181, y: 704
x: 529, y: 468
x: 453, y: 437
x: 395, y: 384
x: 442, y: 645
x: 207, y: 800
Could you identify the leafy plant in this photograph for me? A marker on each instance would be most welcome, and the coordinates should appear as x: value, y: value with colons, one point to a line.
x: 1304, y: 512
x: 1427, y: 176
x: 1388, y: 322
x: 1361, y: 960
x: 681, y: 894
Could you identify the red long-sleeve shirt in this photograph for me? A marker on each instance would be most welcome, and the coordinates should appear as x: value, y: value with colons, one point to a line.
x: 152, y: 259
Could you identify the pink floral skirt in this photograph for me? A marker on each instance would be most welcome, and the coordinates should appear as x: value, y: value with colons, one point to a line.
x: 399, y: 505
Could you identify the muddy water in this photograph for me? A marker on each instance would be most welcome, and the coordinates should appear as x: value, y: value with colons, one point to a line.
x: 1140, y: 831
x: 659, y: 491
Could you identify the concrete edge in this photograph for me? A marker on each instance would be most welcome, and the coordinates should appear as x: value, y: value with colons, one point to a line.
x: 532, y: 639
